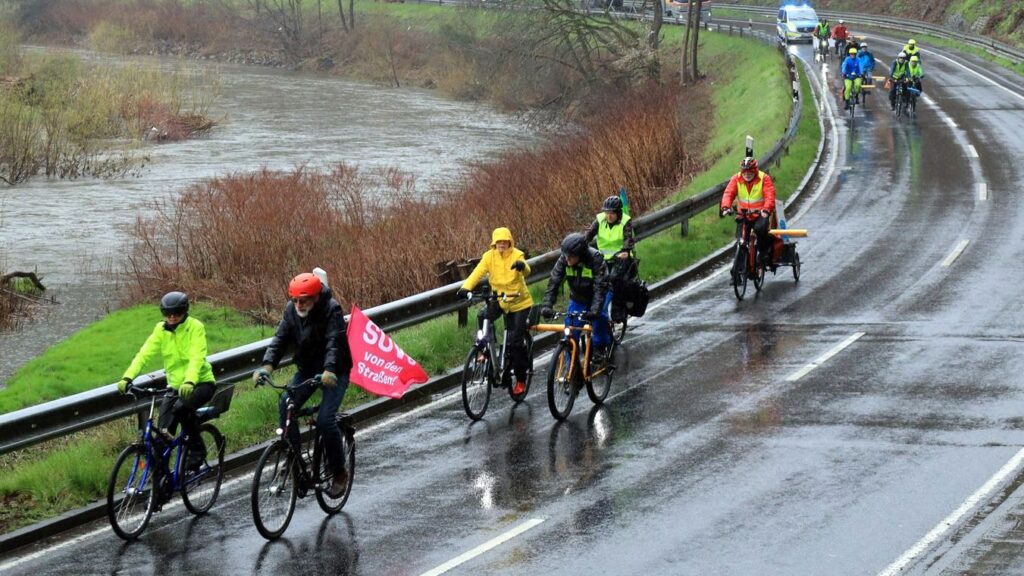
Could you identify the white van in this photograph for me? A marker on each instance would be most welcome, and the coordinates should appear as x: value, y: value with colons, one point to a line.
x: 796, y: 23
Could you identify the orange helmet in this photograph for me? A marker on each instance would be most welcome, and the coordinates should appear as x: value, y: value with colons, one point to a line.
x: 304, y: 285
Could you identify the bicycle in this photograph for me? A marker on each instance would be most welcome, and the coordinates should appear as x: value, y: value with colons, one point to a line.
x: 621, y: 271
x: 746, y: 258
x: 852, y: 98
x: 823, y: 49
x: 906, y: 100
x: 286, y: 472
x: 572, y: 365
x: 145, y: 481
x: 487, y: 365
x: 867, y: 86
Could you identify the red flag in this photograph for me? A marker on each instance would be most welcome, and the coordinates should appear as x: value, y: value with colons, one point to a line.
x: 379, y: 366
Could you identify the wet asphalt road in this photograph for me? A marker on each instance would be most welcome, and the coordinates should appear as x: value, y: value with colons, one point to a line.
x: 712, y: 456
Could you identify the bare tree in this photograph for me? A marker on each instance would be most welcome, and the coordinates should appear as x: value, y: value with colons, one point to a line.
x: 654, y: 36
x: 688, y: 64
x: 287, y: 15
x: 341, y: 14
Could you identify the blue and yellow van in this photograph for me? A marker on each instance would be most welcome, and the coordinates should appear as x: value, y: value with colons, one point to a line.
x: 796, y: 22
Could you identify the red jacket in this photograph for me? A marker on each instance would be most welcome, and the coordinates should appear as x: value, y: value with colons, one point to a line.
x: 840, y: 32
x: 767, y: 192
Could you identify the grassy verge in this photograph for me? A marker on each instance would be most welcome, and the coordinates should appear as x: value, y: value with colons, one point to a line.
x: 48, y: 479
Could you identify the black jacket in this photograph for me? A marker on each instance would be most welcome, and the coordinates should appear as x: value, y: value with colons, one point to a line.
x: 318, y: 341
x: 581, y: 289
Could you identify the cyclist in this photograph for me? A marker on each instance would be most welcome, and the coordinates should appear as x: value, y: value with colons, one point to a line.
x: 852, y: 77
x: 898, y: 72
x: 822, y: 32
x: 313, y: 327
x: 915, y: 71
x: 506, y: 270
x: 912, y: 49
x: 588, y: 288
x: 181, y: 342
x: 840, y: 34
x: 867, y: 63
x: 615, y: 239
x: 753, y: 191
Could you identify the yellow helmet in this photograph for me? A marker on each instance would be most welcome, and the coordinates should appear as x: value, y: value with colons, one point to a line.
x: 914, y: 58
x: 912, y: 42
x: 853, y: 51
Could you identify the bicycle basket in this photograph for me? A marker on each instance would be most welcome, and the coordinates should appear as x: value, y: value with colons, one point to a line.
x: 913, y: 91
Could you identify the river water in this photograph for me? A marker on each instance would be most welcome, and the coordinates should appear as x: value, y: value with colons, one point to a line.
x: 74, y: 232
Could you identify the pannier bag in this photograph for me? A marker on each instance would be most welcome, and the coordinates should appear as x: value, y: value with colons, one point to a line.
x: 634, y: 297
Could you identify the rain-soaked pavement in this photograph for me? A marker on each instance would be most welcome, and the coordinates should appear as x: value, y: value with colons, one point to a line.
x: 720, y: 451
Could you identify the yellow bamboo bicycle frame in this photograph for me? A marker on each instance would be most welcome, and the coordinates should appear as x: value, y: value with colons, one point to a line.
x: 586, y: 331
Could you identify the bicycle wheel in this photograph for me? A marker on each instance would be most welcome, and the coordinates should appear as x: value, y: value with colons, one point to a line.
x: 476, y: 383
x: 796, y: 267
x: 274, y: 489
x: 739, y: 274
x: 325, y: 476
x: 599, y: 385
x: 130, y: 494
x: 561, y: 382
x: 200, y: 489
x: 517, y: 398
x: 759, y: 271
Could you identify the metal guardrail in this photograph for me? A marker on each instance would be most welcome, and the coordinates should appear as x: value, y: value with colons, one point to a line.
x: 84, y: 410
x: 990, y: 45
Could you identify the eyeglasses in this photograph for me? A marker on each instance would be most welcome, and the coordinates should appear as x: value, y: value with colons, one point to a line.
x: 304, y: 300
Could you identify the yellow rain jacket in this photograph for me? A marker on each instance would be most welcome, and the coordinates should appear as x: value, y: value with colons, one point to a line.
x: 501, y: 276
x: 183, y: 351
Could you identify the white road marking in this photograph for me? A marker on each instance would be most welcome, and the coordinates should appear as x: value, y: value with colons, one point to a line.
x: 824, y: 357
x: 949, y: 521
x: 983, y: 191
x: 486, y: 546
x: 955, y: 253
x: 973, y: 152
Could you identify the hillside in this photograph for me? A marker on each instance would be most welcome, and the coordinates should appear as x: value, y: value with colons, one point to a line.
x: 1000, y: 19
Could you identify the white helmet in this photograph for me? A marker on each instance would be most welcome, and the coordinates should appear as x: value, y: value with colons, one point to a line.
x: 902, y: 55
x: 840, y: 21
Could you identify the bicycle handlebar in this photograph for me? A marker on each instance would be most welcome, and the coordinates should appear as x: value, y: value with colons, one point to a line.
x: 487, y: 294
x: 314, y: 382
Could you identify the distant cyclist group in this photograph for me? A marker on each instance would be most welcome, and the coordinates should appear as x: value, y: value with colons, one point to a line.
x: 858, y: 65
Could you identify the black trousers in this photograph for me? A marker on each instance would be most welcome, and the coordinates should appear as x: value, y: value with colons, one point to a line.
x: 517, y: 323
x: 760, y: 228
x: 175, y: 410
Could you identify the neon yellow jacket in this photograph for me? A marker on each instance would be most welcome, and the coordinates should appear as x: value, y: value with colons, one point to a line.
x: 500, y: 275
x: 183, y: 351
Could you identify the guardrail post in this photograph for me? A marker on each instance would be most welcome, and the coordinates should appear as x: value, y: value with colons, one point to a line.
x: 730, y: 29
x: 684, y: 227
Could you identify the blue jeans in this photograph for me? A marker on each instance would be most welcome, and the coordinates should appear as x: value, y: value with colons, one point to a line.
x: 602, y: 333
x: 330, y: 402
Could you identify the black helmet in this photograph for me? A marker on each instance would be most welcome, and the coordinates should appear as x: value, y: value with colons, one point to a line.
x: 174, y: 303
x: 575, y: 244
x: 612, y: 204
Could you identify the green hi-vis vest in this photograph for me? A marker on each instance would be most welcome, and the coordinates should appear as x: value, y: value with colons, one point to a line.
x: 899, y: 70
x: 610, y: 239
x: 822, y: 29
x: 753, y: 199
x: 915, y: 71
x: 579, y: 270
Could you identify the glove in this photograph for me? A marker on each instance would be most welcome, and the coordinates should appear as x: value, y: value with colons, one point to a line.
x: 519, y: 265
x: 262, y: 375
x: 591, y: 316
x: 461, y: 293
x: 547, y: 312
x: 124, y: 384
x: 765, y: 213
x: 328, y: 379
x: 185, y: 390
x: 725, y: 212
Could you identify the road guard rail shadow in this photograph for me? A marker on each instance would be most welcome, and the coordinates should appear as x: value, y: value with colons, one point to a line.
x: 84, y: 410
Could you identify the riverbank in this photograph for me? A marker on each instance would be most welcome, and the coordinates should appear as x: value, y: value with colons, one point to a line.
x: 437, y: 344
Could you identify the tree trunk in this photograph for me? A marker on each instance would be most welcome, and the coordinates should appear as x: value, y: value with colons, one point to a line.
x: 352, y: 12
x: 655, y: 37
x: 341, y: 14
x: 684, y: 68
x: 696, y: 38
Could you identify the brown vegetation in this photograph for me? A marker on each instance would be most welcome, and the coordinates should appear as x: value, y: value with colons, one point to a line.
x: 238, y: 239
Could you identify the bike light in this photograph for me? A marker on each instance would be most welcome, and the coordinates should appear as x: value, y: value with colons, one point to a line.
x: 280, y: 431
x: 479, y: 334
x: 568, y: 331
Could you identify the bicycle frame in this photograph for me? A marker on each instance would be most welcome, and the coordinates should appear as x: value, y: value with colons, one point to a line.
x: 304, y: 450
x: 570, y: 334
x: 747, y: 239
x: 161, y: 460
x: 487, y: 340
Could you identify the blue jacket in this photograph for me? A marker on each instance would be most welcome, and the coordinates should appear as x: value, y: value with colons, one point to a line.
x: 851, y: 67
x: 867, y: 62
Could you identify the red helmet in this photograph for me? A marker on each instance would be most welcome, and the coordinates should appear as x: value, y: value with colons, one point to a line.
x: 305, y: 284
x: 749, y: 163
